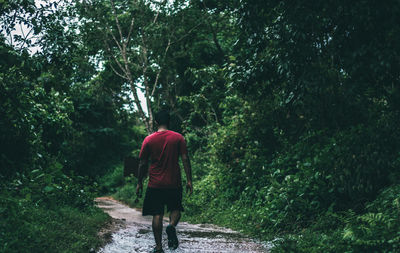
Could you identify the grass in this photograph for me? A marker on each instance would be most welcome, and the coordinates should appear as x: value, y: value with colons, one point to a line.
x: 62, y: 229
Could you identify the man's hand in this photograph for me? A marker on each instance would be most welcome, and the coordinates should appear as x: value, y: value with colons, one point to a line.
x: 188, y: 171
x: 189, y: 187
x: 139, y: 189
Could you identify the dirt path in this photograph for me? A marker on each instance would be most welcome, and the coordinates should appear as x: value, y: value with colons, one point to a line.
x: 135, y: 235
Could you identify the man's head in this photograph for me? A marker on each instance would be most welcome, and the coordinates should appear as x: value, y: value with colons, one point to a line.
x: 162, y: 118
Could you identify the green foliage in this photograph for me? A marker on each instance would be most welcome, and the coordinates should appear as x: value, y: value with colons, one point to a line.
x: 102, y: 134
x: 292, y: 122
x: 127, y: 192
x: 290, y: 109
x: 48, y: 211
x: 29, y: 115
x: 110, y: 182
x: 26, y: 227
x: 60, y: 128
x: 378, y: 228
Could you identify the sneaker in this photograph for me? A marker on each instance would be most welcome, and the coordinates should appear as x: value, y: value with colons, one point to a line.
x: 155, y: 250
x: 172, y: 238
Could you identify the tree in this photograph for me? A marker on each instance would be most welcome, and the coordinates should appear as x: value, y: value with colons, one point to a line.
x: 148, y: 44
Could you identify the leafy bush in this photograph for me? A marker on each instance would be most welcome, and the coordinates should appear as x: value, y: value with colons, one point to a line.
x: 50, y: 212
x: 110, y: 182
x: 378, y: 229
x: 302, y: 194
x: 25, y: 227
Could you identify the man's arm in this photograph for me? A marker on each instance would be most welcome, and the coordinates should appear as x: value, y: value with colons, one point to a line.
x: 143, y: 167
x: 188, y: 172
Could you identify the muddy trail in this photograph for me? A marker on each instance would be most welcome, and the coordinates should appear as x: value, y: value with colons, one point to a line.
x: 134, y: 234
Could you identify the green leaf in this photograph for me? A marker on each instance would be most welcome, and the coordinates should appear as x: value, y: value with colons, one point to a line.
x: 48, y: 188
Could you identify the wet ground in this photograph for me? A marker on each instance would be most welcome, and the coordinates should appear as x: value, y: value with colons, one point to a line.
x: 134, y: 234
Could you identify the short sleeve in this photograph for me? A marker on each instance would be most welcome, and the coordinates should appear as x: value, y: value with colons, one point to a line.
x: 182, y: 146
x: 144, y: 151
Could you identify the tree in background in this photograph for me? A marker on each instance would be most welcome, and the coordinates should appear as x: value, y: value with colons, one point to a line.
x: 154, y: 46
x: 56, y: 105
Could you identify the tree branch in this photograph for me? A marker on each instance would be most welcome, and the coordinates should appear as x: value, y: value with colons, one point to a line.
x: 130, y: 32
x: 158, y: 12
x: 115, y: 40
x: 116, y: 20
x: 117, y: 73
x: 115, y: 59
x: 215, y: 39
x: 159, y: 71
x: 187, y: 34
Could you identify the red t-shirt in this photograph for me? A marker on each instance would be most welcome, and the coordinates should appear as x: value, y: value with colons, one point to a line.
x: 163, y: 148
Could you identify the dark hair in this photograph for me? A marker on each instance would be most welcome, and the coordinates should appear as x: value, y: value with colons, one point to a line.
x: 162, y: 118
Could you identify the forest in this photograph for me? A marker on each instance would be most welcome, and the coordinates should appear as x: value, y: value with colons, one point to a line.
x: 290, y: 109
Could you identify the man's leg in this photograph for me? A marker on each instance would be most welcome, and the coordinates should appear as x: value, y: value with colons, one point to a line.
x: 174, y: 217
x: 174, y: 206
x: 157, y: 229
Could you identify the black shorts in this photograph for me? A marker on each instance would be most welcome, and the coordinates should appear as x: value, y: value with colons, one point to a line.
x: 156, y: 199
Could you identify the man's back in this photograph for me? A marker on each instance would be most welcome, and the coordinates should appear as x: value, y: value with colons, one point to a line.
x: 165, y: 186
x: 164, y: 148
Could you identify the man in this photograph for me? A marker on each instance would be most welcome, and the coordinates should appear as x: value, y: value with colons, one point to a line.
x: 165, y: 184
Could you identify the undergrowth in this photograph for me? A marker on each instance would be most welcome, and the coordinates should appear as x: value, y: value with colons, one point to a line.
x: 43, y: 212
